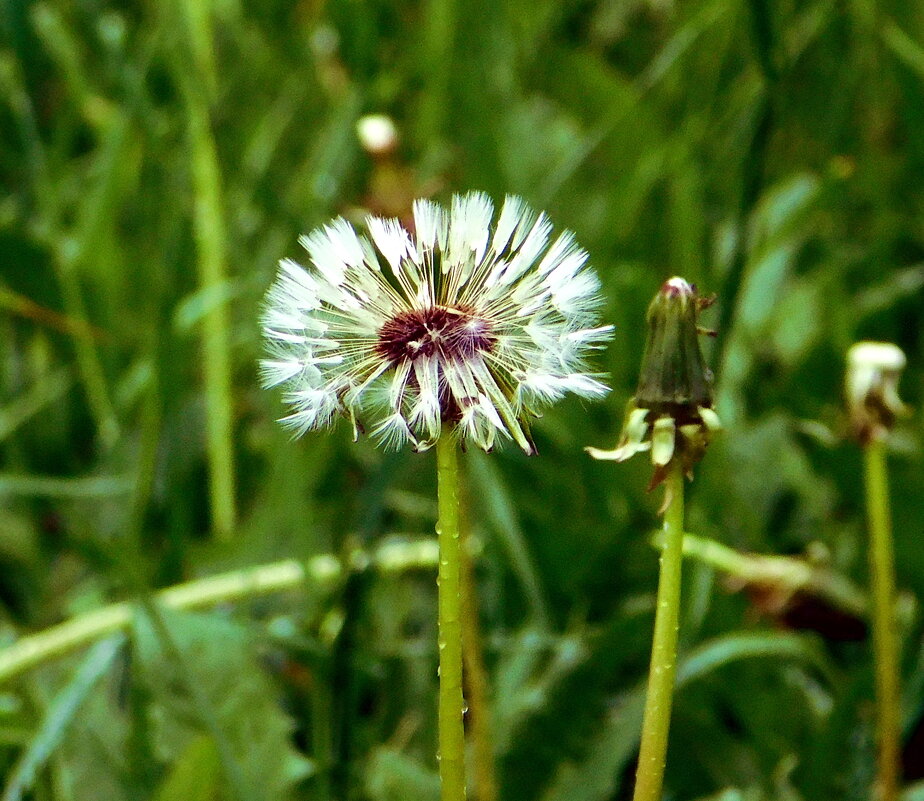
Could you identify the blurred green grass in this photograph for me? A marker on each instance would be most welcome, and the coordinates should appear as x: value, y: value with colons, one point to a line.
x: 157, y: 159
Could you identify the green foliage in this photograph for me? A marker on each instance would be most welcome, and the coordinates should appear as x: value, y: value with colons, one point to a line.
x: 195, y: 775
x: 157, y: 159
x: 61, y: 712
x: 251, y: 730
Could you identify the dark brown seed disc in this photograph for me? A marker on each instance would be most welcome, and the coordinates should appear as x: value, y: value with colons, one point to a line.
x: 449, y: 333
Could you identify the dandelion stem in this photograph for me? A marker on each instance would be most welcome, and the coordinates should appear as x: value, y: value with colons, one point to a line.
x: 650, y: 773
x: 451, y: 732
x: 885, y: 642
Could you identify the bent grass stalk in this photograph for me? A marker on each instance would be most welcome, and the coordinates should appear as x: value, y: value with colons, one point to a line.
x: 451, y: 730
x: 649, y: 776
x: 216, y: 337
x: 885, y: 641
x: 320, y: 574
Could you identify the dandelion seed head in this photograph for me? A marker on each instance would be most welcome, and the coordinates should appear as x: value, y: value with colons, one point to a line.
x: 466, y: 323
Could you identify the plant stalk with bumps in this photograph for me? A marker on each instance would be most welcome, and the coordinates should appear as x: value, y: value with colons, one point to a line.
x: 672, y: 416
x: 873, y: 370
x: 453, y: 335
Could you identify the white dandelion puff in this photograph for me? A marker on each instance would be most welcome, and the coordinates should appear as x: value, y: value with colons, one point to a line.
x: 459, y: 325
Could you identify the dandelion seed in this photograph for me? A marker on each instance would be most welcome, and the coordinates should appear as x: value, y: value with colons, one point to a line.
x: 464, y: 323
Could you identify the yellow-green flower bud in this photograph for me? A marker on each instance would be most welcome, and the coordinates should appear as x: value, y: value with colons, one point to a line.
x: 674, y: 375
x: 671, y: 414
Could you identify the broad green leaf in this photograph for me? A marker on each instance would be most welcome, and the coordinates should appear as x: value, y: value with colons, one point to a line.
x: 715, y: 653
x: 904, y: 48
x: 70, y: 488
x: 195, y: 776
x: 595, y: 777
x: 47, y: 390
x: 519, y: 661
x: 533, y: 667
x: 219, y: 655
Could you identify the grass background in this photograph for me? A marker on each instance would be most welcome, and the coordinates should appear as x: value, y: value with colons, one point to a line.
x: 158, y: 158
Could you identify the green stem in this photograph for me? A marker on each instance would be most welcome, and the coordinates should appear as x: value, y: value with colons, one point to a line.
x: 89, y: 365
x: 216, y: 337
x: 885, y: 640
x: 652, y: 754
x: 321, y: 573
x: 451, y: 731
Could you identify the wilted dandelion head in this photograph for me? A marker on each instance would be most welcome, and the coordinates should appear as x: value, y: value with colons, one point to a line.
x: 873, y: 371
x: 466, y: 322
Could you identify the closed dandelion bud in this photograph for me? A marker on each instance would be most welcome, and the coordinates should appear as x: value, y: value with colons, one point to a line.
x: 674, y: 375
x: 671, y: 414
x: 873, y: 371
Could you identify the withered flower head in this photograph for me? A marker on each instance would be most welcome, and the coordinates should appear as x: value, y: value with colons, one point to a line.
x: 671, y: 414
x: 873, y: 371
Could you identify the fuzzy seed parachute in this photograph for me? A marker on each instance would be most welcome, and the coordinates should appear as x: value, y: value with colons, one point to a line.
x: 466, y: 323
